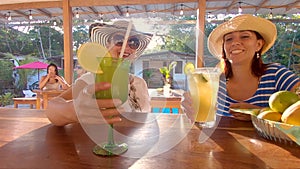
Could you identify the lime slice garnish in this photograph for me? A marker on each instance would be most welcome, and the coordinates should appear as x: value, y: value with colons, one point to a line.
x: 88, y: 56
x: 189, y: 68
x: 203, y: 78
x: 199, y: 78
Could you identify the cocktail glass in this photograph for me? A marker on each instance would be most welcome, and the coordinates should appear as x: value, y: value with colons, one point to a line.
x: 204, y: 85
x: 115, y: 71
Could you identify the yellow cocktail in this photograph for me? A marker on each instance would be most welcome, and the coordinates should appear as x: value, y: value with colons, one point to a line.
x: 203, y: 86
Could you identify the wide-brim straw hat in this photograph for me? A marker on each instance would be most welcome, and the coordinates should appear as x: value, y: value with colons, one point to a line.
x: 101, y: 33
x: 239, y: 23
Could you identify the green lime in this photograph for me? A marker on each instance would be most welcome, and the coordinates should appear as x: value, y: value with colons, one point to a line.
x: 281, y: 100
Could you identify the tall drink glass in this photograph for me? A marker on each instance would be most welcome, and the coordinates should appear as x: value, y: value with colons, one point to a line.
x: 115, y: 71
x: 204, y: 85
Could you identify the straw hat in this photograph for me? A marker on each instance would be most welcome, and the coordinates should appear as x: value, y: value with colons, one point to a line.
x: 101, y: 33
x: 242, y: 22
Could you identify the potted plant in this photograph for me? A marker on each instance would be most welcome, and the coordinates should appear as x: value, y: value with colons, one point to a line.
x: 166, y: 71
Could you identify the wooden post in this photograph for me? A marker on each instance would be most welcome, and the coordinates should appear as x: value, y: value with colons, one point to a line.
x: 201, y: 31
x: 68, y: 39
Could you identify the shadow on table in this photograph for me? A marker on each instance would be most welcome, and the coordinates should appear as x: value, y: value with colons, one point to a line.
x: 245, y: 143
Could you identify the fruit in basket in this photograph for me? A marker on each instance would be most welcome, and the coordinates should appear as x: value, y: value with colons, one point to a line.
x: 264, y: 109
x: 292, y: 114
x: 270, y: 115
x: 281, y: 100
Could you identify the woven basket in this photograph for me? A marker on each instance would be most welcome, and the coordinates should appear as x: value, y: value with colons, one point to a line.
x: 268, y: 130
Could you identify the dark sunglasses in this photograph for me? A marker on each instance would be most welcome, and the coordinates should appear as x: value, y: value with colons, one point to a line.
x: 133, y: 42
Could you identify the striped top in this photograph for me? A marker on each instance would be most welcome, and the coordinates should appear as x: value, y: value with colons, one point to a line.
x: 276, y: 78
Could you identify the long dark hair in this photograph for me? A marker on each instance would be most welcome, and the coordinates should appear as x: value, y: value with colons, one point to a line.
x: 56, y: 69
x: 258, y: 68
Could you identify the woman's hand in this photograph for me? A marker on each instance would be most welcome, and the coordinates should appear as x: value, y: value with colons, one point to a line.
x: 62, y: 82
x: 60, y: 79
x: 186, y: 105
x: 75, y: 102
x: 108, y: 107
x: 57, y: 78
x: 242, y: 116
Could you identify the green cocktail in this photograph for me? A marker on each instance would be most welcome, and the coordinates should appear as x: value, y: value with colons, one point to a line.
x: 115, y: 71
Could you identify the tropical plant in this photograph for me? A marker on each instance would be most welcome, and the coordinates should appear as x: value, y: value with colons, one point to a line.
x: 21, y: 84
x: 6, y: 99
x: 166, y: 71
x: 6, y: 76
x: 147, y: 74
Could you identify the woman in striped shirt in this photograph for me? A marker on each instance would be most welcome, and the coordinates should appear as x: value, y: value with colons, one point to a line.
x: 247, y: 82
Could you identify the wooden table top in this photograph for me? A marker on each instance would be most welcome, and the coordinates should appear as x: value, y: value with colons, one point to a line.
x: 48, y: 91
x: 28, y: 140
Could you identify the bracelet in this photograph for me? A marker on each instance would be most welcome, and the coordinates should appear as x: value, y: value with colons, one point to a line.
x: 85, y: 91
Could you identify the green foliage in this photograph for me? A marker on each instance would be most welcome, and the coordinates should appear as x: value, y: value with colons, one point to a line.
x: 180, y: 38
x: 15, y: 42
x: 167, y: 70
x: 80, y: 36
x: 46, y: 41
x: 6, y: 78
x: 6, y: 99
x: 147, y: 74
x: 24, y: 73
x: 39, y: 41
x: 285, y: 49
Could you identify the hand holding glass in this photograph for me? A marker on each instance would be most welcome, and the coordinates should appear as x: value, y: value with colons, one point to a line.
x: 115, y: 71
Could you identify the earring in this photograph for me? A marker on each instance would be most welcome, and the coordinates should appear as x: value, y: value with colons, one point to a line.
x: 257, y: 55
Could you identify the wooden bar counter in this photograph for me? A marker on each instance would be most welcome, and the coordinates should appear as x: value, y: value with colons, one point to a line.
x: 28, y: 140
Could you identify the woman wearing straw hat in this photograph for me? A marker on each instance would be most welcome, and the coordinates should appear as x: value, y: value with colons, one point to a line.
x: 239, y: 43
x: 61, y: 109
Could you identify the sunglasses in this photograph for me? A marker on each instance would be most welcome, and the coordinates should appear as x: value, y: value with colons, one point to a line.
x: 133, y: 42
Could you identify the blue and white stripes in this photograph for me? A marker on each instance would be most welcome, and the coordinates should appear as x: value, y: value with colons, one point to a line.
x: 276, y: 78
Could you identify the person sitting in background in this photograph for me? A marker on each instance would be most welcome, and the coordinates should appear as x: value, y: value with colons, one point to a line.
x: 239, y: 43
x: 53, y: 81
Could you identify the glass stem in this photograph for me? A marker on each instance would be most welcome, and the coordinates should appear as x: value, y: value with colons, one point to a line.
x: 111, y: 135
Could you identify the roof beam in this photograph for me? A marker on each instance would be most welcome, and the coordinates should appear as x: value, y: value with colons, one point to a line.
x: 122, y: 2
x: 21, y: 13
x: 262, y: 3
x: 94, y: 10
x: 232, y: 5
x: 292, y: 5
x: 45, y: 12
x: 119, y: 11
x: 31, y: 5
